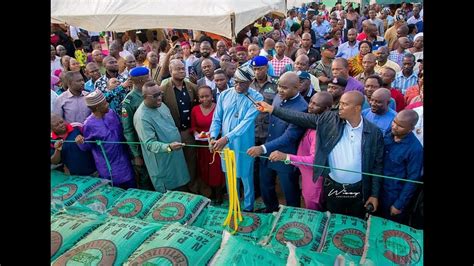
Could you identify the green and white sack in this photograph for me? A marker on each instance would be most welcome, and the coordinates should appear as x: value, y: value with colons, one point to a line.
x: 110, y: 244
x: 238, y: 252
x: 303, y: 228
x: 67, y: 230
x: 75, y: 188
x: 176, y: 244
x: 176, y: 206
x: 101, y: 199
x: 391, y: 243
x: 345, y: 235
x: 253, y: 227
x: 134, y: 203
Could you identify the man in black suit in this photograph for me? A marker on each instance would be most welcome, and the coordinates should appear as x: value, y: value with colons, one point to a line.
x: 347, y: 25
x: 206, y: 50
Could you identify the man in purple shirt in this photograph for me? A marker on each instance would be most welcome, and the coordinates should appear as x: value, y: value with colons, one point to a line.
x: 70, y: 105
x: 340, y: 69
x: 104, y: 124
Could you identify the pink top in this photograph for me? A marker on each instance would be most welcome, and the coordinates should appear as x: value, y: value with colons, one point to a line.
x: 306, y: 151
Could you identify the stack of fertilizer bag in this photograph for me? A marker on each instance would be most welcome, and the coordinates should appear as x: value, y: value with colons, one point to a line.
x: 93, y: 223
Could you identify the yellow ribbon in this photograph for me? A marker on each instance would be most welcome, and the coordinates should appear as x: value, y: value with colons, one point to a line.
x: 234, y: 203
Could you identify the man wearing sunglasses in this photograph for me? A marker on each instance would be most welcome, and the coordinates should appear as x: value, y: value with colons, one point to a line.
x: 160, y: 141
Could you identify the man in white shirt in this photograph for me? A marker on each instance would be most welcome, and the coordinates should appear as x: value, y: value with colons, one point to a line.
x: 351, y: 47
x: 416, y: 16
x: 350, y: 143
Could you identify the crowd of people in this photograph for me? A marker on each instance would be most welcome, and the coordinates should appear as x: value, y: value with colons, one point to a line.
x: 327, y: 102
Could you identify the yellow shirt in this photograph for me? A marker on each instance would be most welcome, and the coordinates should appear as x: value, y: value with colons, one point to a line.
x: 390, y: 64
x: 81, y: 57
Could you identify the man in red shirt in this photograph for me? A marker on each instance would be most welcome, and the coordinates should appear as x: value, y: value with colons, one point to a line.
x: 388, y: 76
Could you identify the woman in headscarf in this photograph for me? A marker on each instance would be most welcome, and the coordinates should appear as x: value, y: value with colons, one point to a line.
x: 355, y: 63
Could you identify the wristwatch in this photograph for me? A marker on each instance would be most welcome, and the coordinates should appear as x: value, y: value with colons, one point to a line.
x: 168, y: 149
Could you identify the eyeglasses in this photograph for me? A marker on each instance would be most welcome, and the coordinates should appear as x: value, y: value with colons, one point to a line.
x: 156, y: 95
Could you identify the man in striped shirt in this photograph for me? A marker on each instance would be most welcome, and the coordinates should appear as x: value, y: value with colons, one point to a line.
x: 397, y: 55
x: 280, y: 60
x: 407, y: 77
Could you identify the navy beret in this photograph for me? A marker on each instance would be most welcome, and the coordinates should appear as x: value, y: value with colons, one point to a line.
x: 139, y: 71
x: 259, y: 61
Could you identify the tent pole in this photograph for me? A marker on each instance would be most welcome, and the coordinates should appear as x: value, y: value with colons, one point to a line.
x: 232, y: 25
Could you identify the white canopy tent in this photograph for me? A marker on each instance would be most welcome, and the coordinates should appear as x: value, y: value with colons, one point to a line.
x: 297, y: 3
x: 223, y: 17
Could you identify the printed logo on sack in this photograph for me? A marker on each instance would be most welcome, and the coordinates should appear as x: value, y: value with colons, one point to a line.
x: 93, y: 199
x: 399, y: 247
x: 296, y: 233
x: 64, y: 191
x: 173, y: 255
x: 127, y: 208
x: 56, y: 242
x: 96, y: 252
x: 171, y: 211
x: 249, y: 224
x: 350, y: 241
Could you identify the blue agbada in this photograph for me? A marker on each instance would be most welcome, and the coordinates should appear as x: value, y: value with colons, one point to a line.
x: 234, y: 118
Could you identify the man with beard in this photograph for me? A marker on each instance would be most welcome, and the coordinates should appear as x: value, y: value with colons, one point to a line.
x: 306, y: 44
x: 350, y: 48
x: 112, y: 71
x: 205, y: 49
x: 70, y: 105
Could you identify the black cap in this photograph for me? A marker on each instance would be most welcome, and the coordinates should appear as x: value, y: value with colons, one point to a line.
x: 339, y: 81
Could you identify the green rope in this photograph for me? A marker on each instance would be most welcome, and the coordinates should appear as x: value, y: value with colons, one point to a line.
x: 99, y: 143
x: 264, y: 157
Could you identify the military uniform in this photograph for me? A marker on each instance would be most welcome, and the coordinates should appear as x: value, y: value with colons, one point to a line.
x: 268, y: 90
x: 129, y: 106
